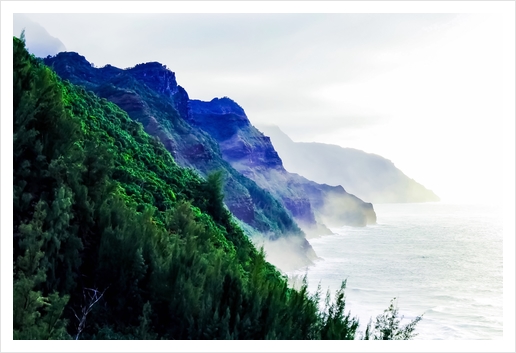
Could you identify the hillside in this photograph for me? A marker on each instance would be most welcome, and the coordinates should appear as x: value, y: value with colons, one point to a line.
x: 251, y: 153
x: 150, y: 95
x: 273, y: 206
x: 113, y: 240
x: 368, y: 176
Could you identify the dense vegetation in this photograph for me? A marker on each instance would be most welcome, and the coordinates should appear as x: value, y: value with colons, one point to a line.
x: 150, y: 94
x: 113, y: 240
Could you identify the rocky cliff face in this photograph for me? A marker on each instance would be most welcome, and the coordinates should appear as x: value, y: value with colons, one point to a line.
x: 149, y: 93
x: 217, y: 135
x: 251, y: 152
x: 240, y: 143
x: 156, y: 76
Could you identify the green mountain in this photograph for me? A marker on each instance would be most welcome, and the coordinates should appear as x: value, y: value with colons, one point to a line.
x: 114, y: 240
x: 369, y: 176
x: 150, y: 95
x: 217, y: 136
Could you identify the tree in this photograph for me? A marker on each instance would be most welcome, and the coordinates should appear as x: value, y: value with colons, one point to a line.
x: 215, y: 197
x: 95, y: 208
x: 336, y: 323
x: 387, y: 326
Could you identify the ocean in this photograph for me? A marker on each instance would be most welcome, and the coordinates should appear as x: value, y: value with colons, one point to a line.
x: 444, y: 261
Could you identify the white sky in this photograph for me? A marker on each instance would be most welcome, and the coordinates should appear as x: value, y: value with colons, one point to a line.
x: 423, y: 90
x: 433, y: 93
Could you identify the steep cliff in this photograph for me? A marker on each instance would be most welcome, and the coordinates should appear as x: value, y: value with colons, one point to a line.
x: 217, y: 136
x: 369, y: 176
x: 149, y: 93
x: 251, y: 152
x: 152, y: 261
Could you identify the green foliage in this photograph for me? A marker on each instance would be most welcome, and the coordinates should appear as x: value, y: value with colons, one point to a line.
x: 141, y: 95
x: 213, y: 189
x: 336, y: 323
x: 113, y: 240
x: 35, y: 316
x: 387, y: 326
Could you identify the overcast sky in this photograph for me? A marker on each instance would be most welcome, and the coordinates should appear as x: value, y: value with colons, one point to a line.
x: 423, y: 90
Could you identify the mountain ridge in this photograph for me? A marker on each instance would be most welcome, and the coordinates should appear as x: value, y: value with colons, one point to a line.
x: 367, y: 175
x: 150, y: 94
x: 156, y: 102
x: 99, y: 254
x: 251, y: 152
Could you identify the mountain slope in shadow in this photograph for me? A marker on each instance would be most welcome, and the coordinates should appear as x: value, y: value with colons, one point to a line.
x: 313, y: 205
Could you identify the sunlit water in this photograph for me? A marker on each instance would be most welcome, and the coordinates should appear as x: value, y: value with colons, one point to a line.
x: 440, y: 260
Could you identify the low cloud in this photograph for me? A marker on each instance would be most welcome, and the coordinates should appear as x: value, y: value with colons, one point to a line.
x: 39, y: 42
x: 288, y: 253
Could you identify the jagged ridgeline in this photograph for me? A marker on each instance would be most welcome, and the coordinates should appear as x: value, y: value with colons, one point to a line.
x: 150, y: 95
x: 113, y: 240
x: 218, y: 136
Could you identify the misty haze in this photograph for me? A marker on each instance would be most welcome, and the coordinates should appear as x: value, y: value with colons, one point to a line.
x: 201, y: 176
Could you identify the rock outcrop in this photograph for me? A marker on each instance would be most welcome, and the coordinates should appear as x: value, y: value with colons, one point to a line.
x: 251, y: 153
